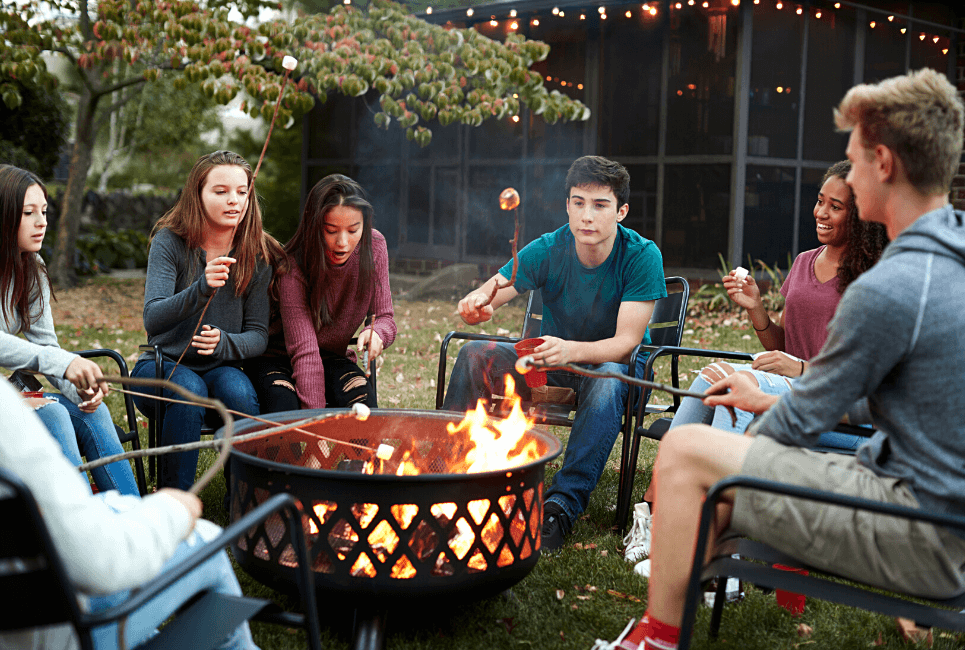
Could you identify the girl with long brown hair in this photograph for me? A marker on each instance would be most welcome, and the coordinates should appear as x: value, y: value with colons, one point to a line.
x: 76, y: 416
x: 209, y: 255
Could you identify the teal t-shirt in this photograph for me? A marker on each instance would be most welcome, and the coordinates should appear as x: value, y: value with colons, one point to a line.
x: 581, y: 304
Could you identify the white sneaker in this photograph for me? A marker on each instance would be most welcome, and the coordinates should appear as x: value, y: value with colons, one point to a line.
x: 637, y: 541
x: 732, y: 594
x: 642, y: 568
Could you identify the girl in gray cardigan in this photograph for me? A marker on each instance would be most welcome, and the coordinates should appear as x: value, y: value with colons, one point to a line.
x: 76, y: 416
x: 209, y: 250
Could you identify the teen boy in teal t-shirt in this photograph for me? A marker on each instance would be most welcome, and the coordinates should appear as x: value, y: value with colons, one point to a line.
x: 599, y: 282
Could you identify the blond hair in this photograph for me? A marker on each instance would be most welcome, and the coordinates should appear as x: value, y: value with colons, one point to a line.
x: 919, y: 116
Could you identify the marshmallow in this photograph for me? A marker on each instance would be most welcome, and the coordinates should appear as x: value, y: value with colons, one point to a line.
x: 289, y: 62
x: 384, y: 452
x: 524, y: 364
x: 740, y: 273
x: 361, y: 411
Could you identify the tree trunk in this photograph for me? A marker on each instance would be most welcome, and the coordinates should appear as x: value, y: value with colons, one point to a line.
x: 62, y: 272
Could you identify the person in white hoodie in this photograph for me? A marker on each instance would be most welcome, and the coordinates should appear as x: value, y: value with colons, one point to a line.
x: 110, y: 543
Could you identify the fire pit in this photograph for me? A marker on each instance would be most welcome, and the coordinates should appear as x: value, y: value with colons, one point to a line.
x: 425, y: 528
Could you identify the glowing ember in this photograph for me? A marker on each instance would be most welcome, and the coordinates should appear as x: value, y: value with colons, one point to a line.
x: 509, y: 199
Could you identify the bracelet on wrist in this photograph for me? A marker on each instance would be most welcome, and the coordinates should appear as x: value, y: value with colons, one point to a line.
x: 764, y: 328
x: 802, y: 367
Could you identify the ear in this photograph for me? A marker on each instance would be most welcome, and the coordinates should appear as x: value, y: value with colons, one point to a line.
x: 622, y: 212
x: 886, y: 164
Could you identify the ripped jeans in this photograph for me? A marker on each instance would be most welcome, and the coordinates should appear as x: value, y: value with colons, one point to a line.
x: 694, y: 411
x: 91, y: 435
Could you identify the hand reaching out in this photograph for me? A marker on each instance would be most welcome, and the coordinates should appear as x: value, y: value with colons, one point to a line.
x: 363, y: 343
x: 206, y: 340
x: 190, y: 501
x: 87, y: 376
x: 740, y: 390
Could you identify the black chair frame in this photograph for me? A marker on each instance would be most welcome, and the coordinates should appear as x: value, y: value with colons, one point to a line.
x: 756, y: 560
x: 45, y: 595
x: 131, y: 435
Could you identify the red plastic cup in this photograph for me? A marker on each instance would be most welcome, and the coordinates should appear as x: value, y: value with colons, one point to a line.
x: 790, y: 601
x: 534, y: 378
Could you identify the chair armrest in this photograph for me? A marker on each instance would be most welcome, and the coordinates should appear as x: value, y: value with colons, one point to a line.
x: 139, y: 598
x: 443, y: 352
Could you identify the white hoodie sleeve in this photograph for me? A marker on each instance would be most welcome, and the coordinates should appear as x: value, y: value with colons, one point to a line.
x: 103, y: 550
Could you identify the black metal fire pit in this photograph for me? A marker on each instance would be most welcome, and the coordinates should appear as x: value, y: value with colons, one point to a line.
x: 379, y: 540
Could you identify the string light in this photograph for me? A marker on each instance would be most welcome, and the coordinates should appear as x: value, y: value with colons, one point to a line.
x: 514, y: 25
x: 891, y: 19
x: 837, y: 5
x: 556, y: 11
x: 780, y: 89
x: 677, y: 6
x: 515, y: 118
x: 799, y: 10
x: 469, y: 11
x: 779, y: 5
x: 921, y: 37
x: 582, y: 16
x: 706, y: 4
x: 735, y: 3
x: 653, y: 11
x: 602, y: 10
x: 512, y: 13
x: 817, y: 14
x: 580, y: 86
x: 945, y: 50
x: 872, y: 23
x: 680, y: 93
x: 602, y: 16
x: 429, y: 11
x: 646, y: 7
x: 629, y: 15
x: 562, y: 14
x: 935, y: 40
x: 492, y: 21
x: 690, y: 2
x: 535, y: 22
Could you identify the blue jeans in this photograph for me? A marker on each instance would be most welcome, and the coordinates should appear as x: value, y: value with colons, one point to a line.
x: 91, y: 435
x: 182, y: 422
x: 693, y: 411
x: 215, y: 575
x: 479, y: 372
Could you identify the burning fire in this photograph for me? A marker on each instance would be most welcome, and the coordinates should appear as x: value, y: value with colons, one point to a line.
x: 489, y: 444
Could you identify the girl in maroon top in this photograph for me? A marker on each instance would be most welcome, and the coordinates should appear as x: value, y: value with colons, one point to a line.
x: 813, y: 287
x: 338, y: 282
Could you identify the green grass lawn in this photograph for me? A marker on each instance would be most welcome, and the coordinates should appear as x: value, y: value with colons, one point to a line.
x: 571, y: 598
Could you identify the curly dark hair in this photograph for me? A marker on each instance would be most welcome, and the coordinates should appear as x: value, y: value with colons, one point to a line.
x: 866, y: 240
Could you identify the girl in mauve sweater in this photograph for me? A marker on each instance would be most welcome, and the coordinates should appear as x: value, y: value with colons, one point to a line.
x: 338, y: 282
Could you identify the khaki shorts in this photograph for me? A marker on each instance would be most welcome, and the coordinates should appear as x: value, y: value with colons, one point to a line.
x: 915, y: 558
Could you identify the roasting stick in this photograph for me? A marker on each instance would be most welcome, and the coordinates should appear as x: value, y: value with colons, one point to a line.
x: 508, y: 200
x: 383, y: 451
x: 527, y: 363
x: 289, y: 63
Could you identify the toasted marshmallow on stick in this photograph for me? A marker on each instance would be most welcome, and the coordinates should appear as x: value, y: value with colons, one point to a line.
x: 289, y: 63
x: 740, y: 274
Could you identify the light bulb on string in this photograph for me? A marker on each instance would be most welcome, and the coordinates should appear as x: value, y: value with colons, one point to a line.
x: 512, y: 13
x: 921, y: 36
x: 817, y: 14
x: 428, y: 11
x: 935, y: 40
x: 903, y: 30
x: 799, y: 11
x: 469, y: 11
x: 492, y: 21
x: 535, y: 22
x: 556, y: 11
x: 628, y: 15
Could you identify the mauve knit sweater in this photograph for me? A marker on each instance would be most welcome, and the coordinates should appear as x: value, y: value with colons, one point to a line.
x: 349, y: 308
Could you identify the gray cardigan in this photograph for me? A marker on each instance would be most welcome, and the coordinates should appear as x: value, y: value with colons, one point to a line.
x: 38, y: 350
x: 175, y: 294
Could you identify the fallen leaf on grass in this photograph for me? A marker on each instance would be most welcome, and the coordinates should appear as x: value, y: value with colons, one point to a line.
x: 804, y: 630
x: 574, y: 606
x: 604, y: 553
x: 508, y: 623
x: 582, y: 597
x: 878, y: 641
x: 632, y: 599
x: 559, y: 594
x: 911, y: 632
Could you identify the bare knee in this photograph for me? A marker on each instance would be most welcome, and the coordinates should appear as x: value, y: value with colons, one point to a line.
x: 700, y: 454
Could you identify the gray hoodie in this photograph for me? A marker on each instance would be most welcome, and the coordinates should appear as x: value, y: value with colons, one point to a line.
x: 898, y: 337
